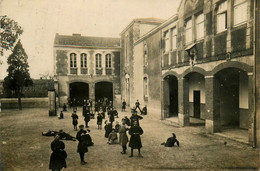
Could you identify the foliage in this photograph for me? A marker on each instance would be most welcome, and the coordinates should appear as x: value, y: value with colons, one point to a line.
x: 18, y: 72
x: 9, y: 33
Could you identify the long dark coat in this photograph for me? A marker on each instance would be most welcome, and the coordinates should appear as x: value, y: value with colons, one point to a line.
x: 74, y: 119
x: 123, y: 138
x: 135, y: 140
x: 108, y: 129
x: 58, y: 156
x: 83, y: 141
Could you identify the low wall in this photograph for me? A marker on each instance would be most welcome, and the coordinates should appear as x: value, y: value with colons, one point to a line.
x: 12, y: 103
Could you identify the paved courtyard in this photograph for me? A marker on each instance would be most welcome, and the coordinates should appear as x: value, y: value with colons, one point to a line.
x: 24, y: 148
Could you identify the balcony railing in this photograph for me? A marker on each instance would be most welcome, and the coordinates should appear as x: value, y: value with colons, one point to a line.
x: 84, y: 70
x: 74, y: 71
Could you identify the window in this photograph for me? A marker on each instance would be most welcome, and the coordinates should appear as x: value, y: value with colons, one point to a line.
x: 108, y: 60
x: 167, y: 41
x: 188, y: 31
x: 200, y: 26
x: 73, y: 60
x: 145, y: 88
x: 174, y: 38
x: 240, y: 11
x: 222, y: 17
x: 83, y: 60
x: 145, y: 55
x: 98, y: 60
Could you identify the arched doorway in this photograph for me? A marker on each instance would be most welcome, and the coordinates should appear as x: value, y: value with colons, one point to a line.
x: 79, y: 91
x: 232, y: 86
x: 170, y: 92
x: 104, y: 90
x: 196, y: 98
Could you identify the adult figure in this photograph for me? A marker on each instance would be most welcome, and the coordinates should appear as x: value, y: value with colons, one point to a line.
x: 135, y: 117
x: 58, y: 156
x: 123, y: 105
x: 83, y: 143
x: 137, y: 105
x: 135, y: 141
x: 74, y: 120
x: 123, y: 138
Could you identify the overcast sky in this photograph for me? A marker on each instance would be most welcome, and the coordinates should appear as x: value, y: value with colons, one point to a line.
x: 41, y: 19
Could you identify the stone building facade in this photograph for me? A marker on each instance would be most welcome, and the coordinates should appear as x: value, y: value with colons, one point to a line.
x: 208, y: 74
x: 131, y: 64
x: 87, y: 68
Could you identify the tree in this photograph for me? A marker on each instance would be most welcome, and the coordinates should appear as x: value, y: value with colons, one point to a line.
x: 9, y: 33
x: 18, y: 73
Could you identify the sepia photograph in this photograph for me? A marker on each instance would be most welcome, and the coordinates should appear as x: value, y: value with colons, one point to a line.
x: 129, y: 85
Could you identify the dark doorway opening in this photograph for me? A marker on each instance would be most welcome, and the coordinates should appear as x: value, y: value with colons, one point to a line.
x: 196, y: 104
x: 79, y: 91
x: 173, y: 96
x: 104, y: 90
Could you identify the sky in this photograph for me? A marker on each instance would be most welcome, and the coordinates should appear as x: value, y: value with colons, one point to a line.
x: 42, y: 19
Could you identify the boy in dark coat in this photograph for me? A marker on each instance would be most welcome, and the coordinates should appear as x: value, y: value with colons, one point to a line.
x: 171, y: 141
x: 108, y: 129
x: 127, y: 121
x: 64, y: 107
x: 61, y: 115
x: 99, y: 121
x: 87, y: 119
x: 135, y: 141
x: 144, y: 111
x: 58, y: 156
x: 123, y: 106
x: 74, y: 120
x: 83, y: 143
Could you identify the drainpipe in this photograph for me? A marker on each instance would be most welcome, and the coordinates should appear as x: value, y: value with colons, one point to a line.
x: 254, y: 76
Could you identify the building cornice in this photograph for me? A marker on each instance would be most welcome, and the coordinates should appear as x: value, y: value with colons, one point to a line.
x: 85, y: 47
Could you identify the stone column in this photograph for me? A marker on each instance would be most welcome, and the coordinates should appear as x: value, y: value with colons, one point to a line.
x: 251, y: 110
x: 165, y: 99
x: 183, y: 102
x: 103, y: 63
x: 92, y: 91
x: 212, y: 104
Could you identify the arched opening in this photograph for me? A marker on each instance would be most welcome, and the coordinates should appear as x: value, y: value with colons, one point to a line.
x: 232, y: 85
x: 104, y: 90
x: 79, y: 91
x: 196, y: 98
x: 170, y: 92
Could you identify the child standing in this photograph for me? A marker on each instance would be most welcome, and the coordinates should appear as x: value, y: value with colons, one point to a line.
x: 99, y: 121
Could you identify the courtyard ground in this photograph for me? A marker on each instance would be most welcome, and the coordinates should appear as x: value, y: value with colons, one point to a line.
x: 24, y: 148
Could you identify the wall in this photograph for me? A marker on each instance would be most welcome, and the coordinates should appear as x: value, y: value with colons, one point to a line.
x: 12, y: 103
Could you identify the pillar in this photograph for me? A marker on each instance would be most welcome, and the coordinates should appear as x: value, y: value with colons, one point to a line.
x: 183, y: 99
x: 251, y: 107
x: 212, y: 116
x: 165, y: 99
x: 92, y: 91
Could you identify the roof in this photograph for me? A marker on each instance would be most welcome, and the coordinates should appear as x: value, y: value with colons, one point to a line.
x: 78, y: 40
x: 151, y: 20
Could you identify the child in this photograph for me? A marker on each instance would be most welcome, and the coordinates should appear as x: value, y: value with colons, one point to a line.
x: 112, y: 138
x: 99, y: 121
